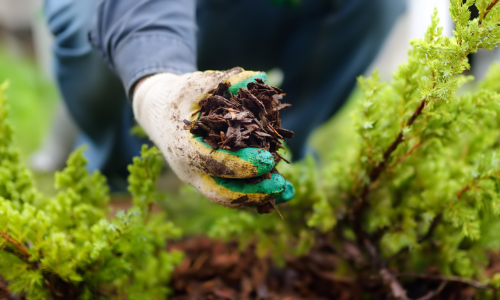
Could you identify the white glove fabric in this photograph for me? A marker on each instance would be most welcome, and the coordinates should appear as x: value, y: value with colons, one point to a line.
x: 160, y: 105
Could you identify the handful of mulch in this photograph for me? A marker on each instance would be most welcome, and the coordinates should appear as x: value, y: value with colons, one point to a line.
x: 249, y: 118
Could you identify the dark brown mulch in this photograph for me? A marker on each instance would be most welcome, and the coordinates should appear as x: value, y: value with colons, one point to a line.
x: 213, y: 270
x: 249, y: 118
x: 216, y: 270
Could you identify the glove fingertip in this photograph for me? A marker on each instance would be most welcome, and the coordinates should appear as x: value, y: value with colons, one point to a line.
x: 287, y: 194
x: 246, y: 162
x: 262, y: 160
x: 233, y: 89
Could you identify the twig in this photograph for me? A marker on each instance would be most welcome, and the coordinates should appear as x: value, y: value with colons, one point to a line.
x: 377, y: 170
x: 16, y: 244
x: 21, y: 252
x: 435, y: 292
x: 276, y: 209
x: 419, y: 109
x: 392, y: 282
x: 375, y: 173
x: 403, y: 158
x: 360, y: 204
x: 488, y: 9
x: 448, y: 279
x: 280, y: 156
x: 463, y: 190
x: 195, y: 112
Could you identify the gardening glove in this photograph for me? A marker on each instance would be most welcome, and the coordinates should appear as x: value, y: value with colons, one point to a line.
x: 163, y: 101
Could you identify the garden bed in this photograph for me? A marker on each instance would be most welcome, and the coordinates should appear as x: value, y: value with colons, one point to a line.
x: 409, y: 210
x: 217, y: 270
x: 214, y: 270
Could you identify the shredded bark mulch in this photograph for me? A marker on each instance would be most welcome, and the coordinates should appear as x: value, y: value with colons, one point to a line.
x: 249, y: 118
x: 216, y: 270
x: 213, y: 270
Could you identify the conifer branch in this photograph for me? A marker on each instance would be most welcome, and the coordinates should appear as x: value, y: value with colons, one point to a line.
x: 397, y: 290
x: 21, y: 252
x: 463, y: 190
x: 380, y: 168
x: 361, y: 204
x: 488, y: 9
x: 369, y: 243
x: 403, y: 158
x: 17, y: 245
x: 431, y: 230
x: 375, y: 173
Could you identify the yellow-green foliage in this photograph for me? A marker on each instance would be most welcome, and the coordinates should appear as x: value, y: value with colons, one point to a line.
x: 421, y: 186
x: 66, y: 247
x: 16, y: 182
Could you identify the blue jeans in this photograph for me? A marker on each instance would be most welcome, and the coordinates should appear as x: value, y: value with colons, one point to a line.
x: 94, y: 95
x: 321, y: 46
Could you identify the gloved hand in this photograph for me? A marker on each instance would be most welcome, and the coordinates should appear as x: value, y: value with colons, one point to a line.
x: 163, y: 101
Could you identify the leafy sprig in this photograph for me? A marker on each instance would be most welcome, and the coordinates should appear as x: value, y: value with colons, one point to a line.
x: 66, y: 247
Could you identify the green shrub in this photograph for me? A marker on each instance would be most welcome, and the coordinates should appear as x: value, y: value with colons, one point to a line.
x: 420, y: 188
x: 65, y: 246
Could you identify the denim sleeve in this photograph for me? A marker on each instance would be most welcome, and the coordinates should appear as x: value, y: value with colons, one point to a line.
x: 144, y: 37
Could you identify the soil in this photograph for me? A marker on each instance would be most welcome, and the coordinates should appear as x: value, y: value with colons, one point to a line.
x: 214, y: 270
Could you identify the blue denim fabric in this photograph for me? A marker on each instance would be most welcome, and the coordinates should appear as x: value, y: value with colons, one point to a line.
x: 321, y: 46
x: 92, y: 92
x: 143, y: 37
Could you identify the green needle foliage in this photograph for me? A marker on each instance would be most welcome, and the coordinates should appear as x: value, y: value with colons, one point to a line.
x: 65, y: 247
x: 420, y: 188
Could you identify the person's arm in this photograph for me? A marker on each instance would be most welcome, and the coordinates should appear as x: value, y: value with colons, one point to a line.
x: 144, y: 37
x: 140, y: 38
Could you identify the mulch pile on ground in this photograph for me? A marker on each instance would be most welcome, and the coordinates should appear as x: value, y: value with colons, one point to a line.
x: 216, y: 270
x: 213, y: 270
x: 249, y: 118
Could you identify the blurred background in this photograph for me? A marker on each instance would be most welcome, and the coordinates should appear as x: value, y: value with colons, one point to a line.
x: 45, y: 133
x: 25, y: 61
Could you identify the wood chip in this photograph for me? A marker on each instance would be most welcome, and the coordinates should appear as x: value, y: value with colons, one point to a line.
x: 231, y: 122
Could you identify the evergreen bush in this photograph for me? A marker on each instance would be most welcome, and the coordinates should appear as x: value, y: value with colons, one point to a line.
x: 419, y: 190
x: 416, y: 197
x: 65, y: 247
